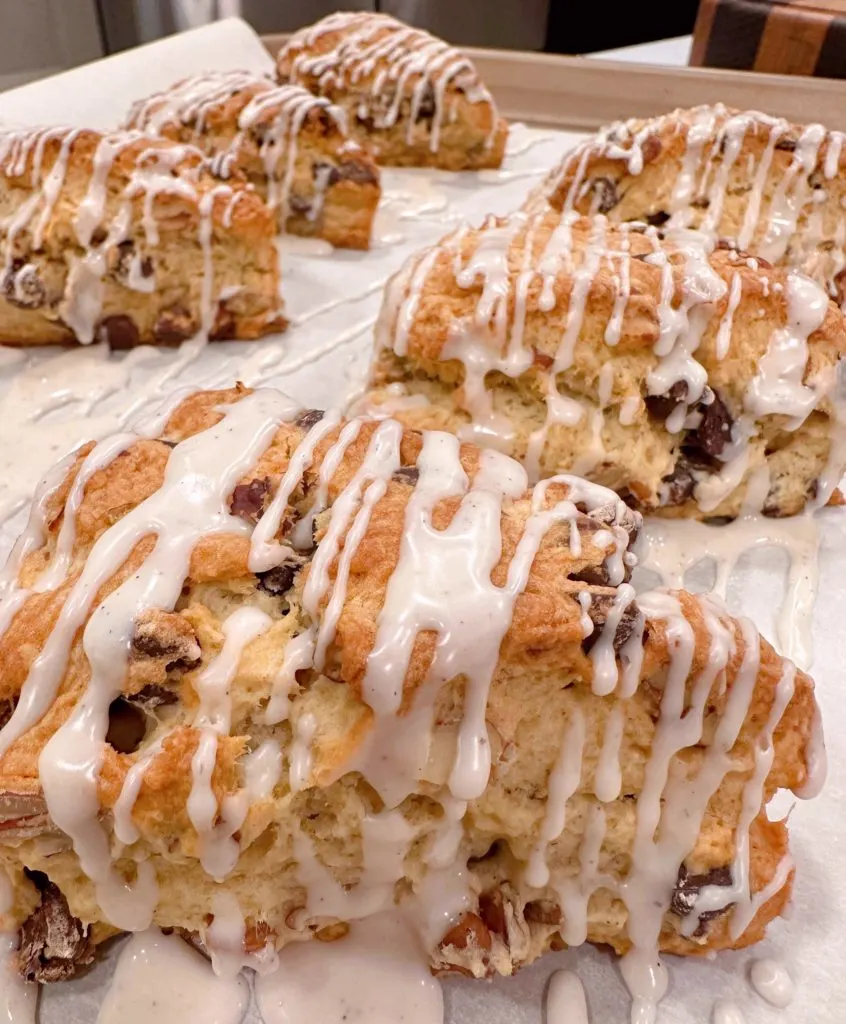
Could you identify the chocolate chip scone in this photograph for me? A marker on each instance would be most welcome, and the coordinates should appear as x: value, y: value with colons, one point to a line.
x: 291, y: 145
x: 411, y: 98
x: 688, y: 379
x: 128, y: 239
x: 280, y: 668
x: 771, y: 187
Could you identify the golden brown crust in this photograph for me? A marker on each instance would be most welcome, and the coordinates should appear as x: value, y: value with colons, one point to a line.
x: 118, y: 252
x: 444, y: 116
x: 433, y: 326
x: 292, y: 146
x: 543, y: 678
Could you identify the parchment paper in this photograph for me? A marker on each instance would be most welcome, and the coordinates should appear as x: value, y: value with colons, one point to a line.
x: 321, y: 361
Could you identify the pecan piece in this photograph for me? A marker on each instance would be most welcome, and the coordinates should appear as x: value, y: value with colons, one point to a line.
x: 248, y: 500
x: 471, y: 933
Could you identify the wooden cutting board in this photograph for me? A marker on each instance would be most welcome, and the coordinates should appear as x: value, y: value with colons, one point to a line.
x: 788, y: 37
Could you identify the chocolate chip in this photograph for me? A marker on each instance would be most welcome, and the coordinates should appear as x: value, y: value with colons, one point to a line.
x: 687, y: 891
x: 308, y: 418
x: 119, y: 332
x: 22, y: 286
x: 714, y: 431
x: 98, y: 236
x: 407, y: 475
x: 679, y: 485
x: 492, y: 912
x: 599, y: 610
x: 605, y: 194
x: 150, y: 697
x: 7, y: 709
x: 662, y: 406
x: 657, y: 219
x: 54, y: 945
x: 700, y: 203
x: 280, y: 579
x: 542, y: 912
x: 613, y: 514
x: 174, y: 326
x: 787, y: 144
x: 127, y: 726
x: 248, y: 499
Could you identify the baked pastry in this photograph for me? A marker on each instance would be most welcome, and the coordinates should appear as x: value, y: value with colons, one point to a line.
x: 768, y: 186
x: 128, y: 239
x: 410, y: 97
x: 291, y: 145
x: 687, y: 379
x: 256, y: 627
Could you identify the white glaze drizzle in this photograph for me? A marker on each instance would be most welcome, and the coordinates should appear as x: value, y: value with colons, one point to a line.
x: 281, y: 110
x: 18, y: 998
x: 565, y: 999
x: 160, y: 977
x: 409, y: 64
x: 216, y: 822
x: 377, y: 971
x: 676, y: 547
x: 772, y: 982
x: 727, y: 1012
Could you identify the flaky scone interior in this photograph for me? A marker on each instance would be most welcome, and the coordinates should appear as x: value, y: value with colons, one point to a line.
x: 291, y: 145
x: 271, y: 671
x: 413, y: 99
x: 131, y: 240
x: 694, y: 380
x: 771, y: 187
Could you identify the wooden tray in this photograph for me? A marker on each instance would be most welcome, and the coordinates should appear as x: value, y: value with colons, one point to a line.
x: 576, y: 93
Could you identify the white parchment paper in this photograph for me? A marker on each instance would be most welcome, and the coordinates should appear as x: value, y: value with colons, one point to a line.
x: 46, y: 408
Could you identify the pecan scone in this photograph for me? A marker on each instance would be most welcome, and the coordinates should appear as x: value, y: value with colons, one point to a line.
x: 131, y: 240
x: 413, y: 99
x: 305, y: 669
x: 694, y: 380
x: 291, y: 145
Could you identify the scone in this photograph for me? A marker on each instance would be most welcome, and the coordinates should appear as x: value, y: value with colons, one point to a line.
x: 131, y: 240
x: 766, y: 185
x: 689, y: 380
x: 291, y: 145
x: 411, y: 98
x: 316, y: 668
